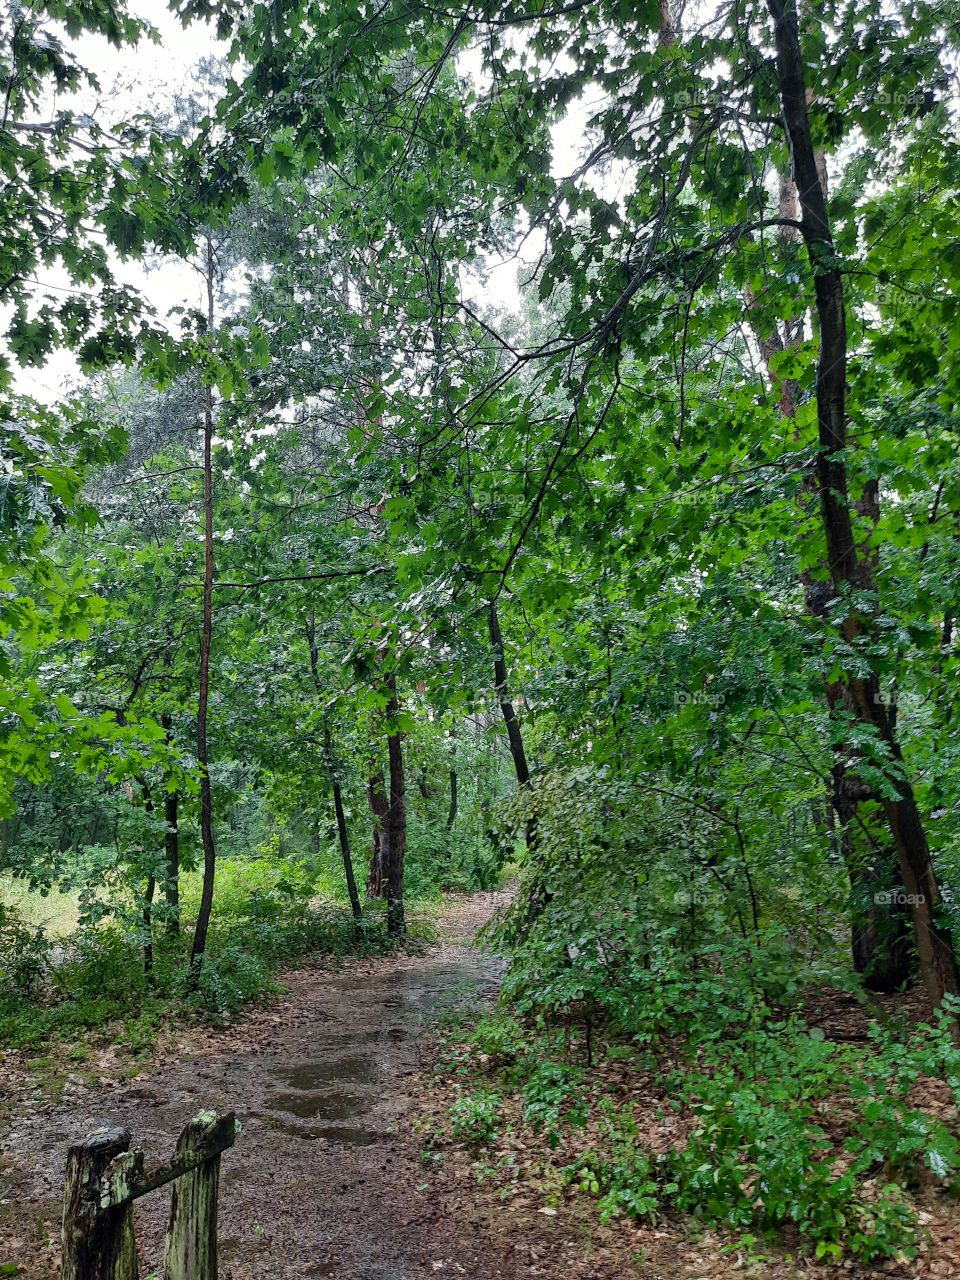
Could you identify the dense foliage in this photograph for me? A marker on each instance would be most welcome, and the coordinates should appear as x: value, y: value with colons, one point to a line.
x: 639, y: 572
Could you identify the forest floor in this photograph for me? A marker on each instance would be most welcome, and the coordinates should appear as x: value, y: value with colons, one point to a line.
x: 325, y: 1178
x: 333, y: 1086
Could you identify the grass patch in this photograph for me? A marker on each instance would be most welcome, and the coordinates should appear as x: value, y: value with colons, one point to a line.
x: 57, y: 913
x: 90, y: 985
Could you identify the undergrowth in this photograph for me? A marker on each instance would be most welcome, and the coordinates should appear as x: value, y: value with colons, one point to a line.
x: 734, y: 1112
x: 94, y: 983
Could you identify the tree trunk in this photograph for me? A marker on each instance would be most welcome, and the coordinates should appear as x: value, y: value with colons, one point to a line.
x: 848, y: 571
x: 879, y: 924
x: 879, y: 931
x: 342, y: 833
x: 379, y: 806
x: 454, y: 802
x: 148, y: 928
x: 171, y: 840
x: 512, y: 724
x: 147, y: 915
x: 206, y: 636
x: 394, y: 839
x: 540, y: 894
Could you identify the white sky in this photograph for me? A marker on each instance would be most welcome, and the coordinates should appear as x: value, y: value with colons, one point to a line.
x: 146, y: 77
x: 132, y: 78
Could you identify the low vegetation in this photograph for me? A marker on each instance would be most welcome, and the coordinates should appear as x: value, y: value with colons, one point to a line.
x: 552, y: 460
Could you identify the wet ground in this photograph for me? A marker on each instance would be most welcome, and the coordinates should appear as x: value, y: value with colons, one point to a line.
x: 324, y: 1178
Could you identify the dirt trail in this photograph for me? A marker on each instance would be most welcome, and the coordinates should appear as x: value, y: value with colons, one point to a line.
x: 324, y: 1179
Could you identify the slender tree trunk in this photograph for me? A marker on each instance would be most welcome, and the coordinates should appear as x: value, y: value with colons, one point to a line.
x: 394, y: 840
x: 511, y: 723
x: 379, y: 806
x: 342, y: 833
x: 171, y: 840
x: 454, y: 801
x: 148, y: 928
x: 147, y: 913
x: 206, y: 637
x: 540, y: 894
x: 423, y: 786
x: 328, y: 756
x: 848, y: 571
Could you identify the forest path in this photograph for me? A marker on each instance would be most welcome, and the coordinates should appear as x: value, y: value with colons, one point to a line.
x: 324, y: 1178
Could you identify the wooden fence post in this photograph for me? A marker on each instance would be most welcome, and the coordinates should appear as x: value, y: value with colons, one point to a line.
x: 191, y: 1246
x: 98, y: 1244
x: 104, y: 1177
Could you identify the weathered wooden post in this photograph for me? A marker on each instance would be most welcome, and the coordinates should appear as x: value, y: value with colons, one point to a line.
x: 104, y: 1177
x: 98, y: 1244
x: 191, y: 1247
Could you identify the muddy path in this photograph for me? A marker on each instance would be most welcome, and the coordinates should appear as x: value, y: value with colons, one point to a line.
x: 324, y: 1179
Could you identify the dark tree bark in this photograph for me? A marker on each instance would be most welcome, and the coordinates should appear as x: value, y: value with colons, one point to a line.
x: 880, y: 923
x: 393, y: 847
x: 171, y: 840
x: 329, y: 760
x: 511, y: 723
x: 454, y: 802
x: 540, y: 894
x: 148, y: 927
x: 147, y: 914
x: 880, y: 928
x: 342, y: 833
x: 379, y: 806
x: 206, y: 638
x: 847, y: 568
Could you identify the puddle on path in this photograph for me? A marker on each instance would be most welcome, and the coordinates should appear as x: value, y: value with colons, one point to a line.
x: 310, y: 1076
x: 329, y: 1105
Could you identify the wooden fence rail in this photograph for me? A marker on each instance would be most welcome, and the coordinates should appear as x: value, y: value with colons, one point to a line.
x: 104, y: 1177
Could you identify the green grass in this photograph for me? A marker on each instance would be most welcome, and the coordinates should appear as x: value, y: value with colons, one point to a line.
x: 57, y: 913
x: 72, y: 985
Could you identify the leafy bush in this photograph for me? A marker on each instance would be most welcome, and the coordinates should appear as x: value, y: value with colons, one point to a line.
x: 754, y: 1151
x: 24, y: 957
x: 100, y: 963
x: 265, y: 919
x: 553, y: 1089
x: 228, y: 980
x: 619, y: 1173
x: 474, y: 1117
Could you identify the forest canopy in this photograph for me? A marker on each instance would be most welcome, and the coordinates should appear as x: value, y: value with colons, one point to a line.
x: 552, y: 475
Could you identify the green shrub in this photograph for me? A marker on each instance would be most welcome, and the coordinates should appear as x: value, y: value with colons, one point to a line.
x: 552, y: 1090
x: 24, y: 957
x: 228, y: 980
x: 474, y: 1117
x: 101, y: 963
